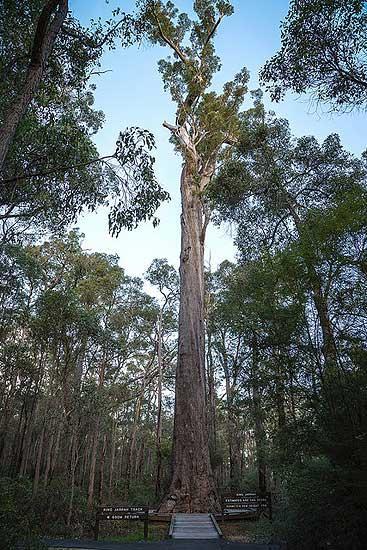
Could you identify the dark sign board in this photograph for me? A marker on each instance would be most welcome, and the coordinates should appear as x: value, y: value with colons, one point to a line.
x: 119, y: 513
x: 250, y: 502
x: 116, y: 517
x: 121, y: 509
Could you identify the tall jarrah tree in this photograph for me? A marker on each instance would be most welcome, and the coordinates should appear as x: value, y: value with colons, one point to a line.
x: 206, y: 122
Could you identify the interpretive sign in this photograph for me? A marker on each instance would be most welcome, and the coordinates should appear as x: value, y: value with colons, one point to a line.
x: 120, y: 513
x: 247, y: 503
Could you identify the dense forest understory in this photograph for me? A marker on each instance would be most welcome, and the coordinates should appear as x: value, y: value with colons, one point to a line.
x: 266, y: 355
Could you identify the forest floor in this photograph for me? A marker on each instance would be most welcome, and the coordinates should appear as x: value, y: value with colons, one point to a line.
x: 246, y: 535
x: 246, y: 531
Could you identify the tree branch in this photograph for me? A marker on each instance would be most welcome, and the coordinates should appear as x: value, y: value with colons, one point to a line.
x: 55, y: 170
x: 167, y: 40
x: 87, y: 40
x: 207, y: 215
x: 211, y: 33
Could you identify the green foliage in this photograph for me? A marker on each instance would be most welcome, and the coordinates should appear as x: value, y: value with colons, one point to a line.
x: 78, y: 362
x: 53, y: 170
x: 323, y: 506
x: 275, y: 182
x: 138, y: 193
x: 323, y: 50
x: 132, y: 531
x: 299, y: 208
x: 19, y: 520
x: 193, y: 66
x: 205, y: 118
x: 163, y: 276
x: 78, y: 353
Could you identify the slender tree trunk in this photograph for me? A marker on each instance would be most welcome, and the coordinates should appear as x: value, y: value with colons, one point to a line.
x: 113, y: 459
x: 258, y: 417
x: 101, y: 470
x: 55, y: 454
x: 192, y: 486
x: 73, y: 465
x: 48, y: 27
x: 212, y: 418
x: 26, y: 449
x: 93, y: 462
x: 92, y: 473
x: 280, y: 392
x: 159, y: 410
x: 48, y: 459
x: 233, y: 429
x: 329, y: 348
x: 38, y: 462
x: 133, y: 442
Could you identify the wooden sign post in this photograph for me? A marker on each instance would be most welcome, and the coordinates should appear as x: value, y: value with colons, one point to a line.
x: 119, y: 513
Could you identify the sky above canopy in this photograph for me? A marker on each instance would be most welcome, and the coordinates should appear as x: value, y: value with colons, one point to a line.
x: 131, y: 94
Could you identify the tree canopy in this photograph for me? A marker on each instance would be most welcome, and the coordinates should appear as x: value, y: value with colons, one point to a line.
x: 52, y: 163
x: 323, y: 51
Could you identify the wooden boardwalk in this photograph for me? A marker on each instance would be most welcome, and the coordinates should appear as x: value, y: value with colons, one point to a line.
x: 194, y: 526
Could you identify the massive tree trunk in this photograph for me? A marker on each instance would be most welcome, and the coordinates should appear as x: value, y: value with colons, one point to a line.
x: 48, y: 27
x: 192, y: 486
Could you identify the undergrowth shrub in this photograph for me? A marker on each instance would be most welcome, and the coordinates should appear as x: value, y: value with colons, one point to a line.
x: 324, y: 507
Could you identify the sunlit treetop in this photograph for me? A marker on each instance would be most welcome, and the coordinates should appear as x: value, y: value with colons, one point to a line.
x: 208, y: 118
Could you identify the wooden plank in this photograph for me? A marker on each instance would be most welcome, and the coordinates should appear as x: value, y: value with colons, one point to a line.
x: 163, y: 518
x: 194, y: 526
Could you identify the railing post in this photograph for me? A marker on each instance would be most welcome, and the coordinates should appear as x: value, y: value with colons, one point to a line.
x: 146, y: 523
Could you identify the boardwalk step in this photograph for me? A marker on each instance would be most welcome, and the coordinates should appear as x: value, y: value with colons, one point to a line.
x: 194, y: 526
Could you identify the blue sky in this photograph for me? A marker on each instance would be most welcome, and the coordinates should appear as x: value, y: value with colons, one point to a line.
x: 131, y: 94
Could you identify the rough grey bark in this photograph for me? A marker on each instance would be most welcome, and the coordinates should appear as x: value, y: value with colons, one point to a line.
x: 49, y: 24
x: 192, y: 486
